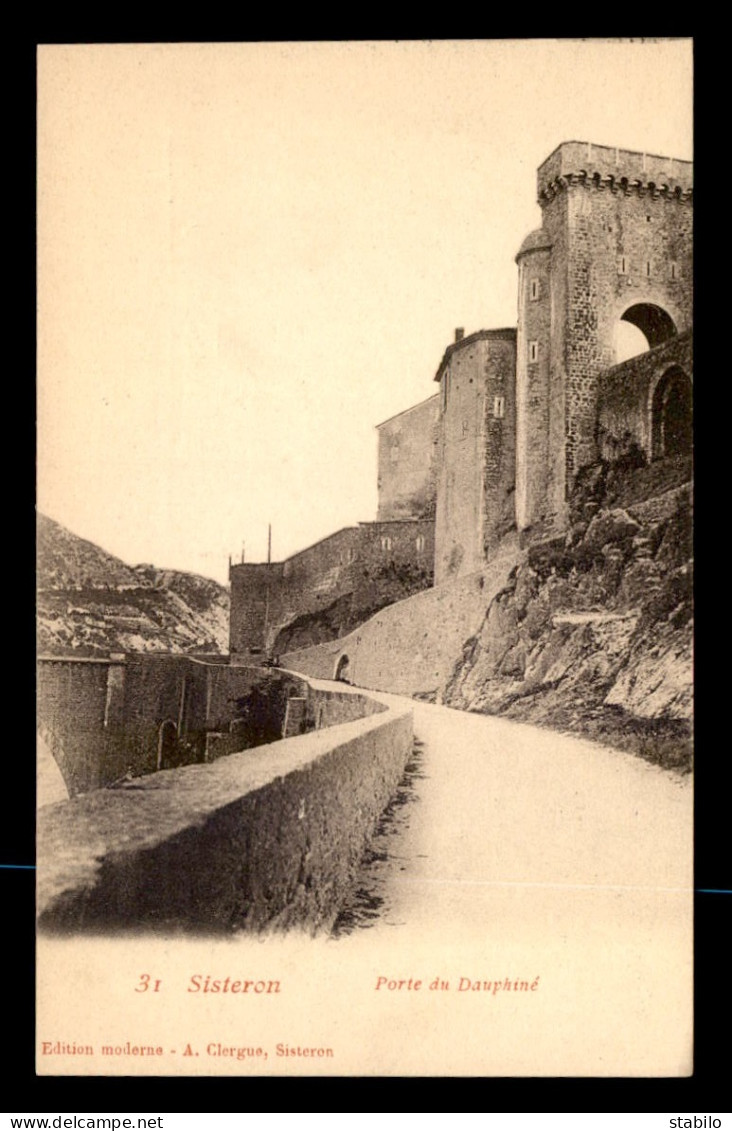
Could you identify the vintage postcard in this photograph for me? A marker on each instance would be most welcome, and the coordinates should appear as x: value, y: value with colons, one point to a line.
x: 365, y: 569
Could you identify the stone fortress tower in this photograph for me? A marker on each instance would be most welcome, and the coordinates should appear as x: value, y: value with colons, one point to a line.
x: 476, y: 452
x: 521, y: 411
x: 615, y: 244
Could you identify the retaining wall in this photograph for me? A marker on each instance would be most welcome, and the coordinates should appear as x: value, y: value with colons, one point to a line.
x: 263, y: 840
x: 267, y: 598
x: 412, y: 646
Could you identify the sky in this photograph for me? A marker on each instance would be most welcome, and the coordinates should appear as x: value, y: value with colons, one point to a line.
x: 252, y: 254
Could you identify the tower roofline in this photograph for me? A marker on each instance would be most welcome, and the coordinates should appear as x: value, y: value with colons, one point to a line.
x: 605, y: 165
x: 507, y: 334
x: 538, y: 240
x: 412, y: 408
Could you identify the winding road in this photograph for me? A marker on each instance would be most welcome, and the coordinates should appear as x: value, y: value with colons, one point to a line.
x: 501, y: 807
x: 519, y: 852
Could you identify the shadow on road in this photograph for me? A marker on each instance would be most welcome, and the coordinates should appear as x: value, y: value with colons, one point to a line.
x: 366, y: 904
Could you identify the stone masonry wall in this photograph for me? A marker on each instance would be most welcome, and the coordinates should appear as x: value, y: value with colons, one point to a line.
x: 406, y: 462
x: 102, y: 719
x: 264, y: 840
x: 318, y: 709
x: 498, y: 442
x: 264, y: 599
x: 620, y: 228
x: 72, y: 712
x: 411, y: 647
x: 533, y: 400
x: 625, y: 395
x: 476, y: 461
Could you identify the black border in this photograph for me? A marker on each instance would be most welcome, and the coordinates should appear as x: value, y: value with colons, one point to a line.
x: 25, y: 1091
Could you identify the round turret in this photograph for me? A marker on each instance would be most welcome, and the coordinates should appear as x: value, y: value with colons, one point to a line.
x: 538, y: 240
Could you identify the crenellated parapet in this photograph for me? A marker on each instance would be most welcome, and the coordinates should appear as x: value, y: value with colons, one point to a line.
x: 607, y: 169
x: 610, y: 183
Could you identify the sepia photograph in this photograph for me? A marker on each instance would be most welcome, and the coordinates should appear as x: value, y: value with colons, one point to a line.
x: 365, y: 559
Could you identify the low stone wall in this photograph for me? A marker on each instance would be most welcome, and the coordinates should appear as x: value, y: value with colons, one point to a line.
x: 320, y: 709
x: 102, y: 719
x: 267, y: 839
x: 411, y: 647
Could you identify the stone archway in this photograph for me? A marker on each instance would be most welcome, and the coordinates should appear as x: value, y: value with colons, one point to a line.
x: 671, y: 415
x: 641, y: 327
x: 342, y: 668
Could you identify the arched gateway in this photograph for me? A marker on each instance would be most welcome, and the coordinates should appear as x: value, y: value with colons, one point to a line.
x: 671, y: 415
x: 655, y: 323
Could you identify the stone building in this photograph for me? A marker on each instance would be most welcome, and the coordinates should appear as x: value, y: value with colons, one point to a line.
x: 645, y: 402
x: 520, y: 411
x: 407, y: 462
x: 476, y: 452
x: 615, y: 245
x: 267, y: 598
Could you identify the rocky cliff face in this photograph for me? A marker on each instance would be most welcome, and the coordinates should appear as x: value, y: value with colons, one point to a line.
x: 90, y: 603
x: 593, y: 632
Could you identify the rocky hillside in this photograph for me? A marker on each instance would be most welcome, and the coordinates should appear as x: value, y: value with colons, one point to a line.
x: 593, y: 633
x: 90, y: 603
